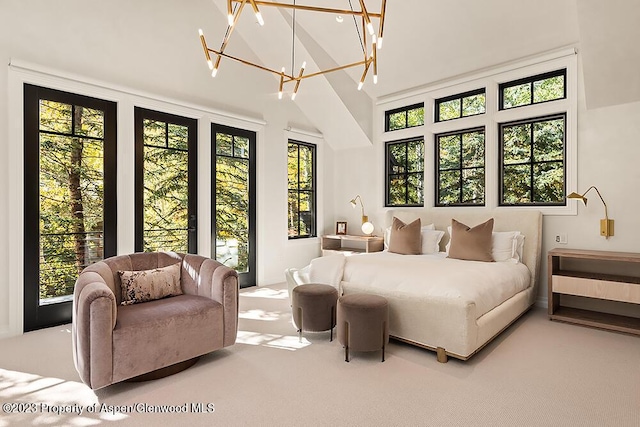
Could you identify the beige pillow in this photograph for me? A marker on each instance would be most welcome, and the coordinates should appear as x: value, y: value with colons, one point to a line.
x: 472, y: 244
x: 149, y: 285
x: 405, y: 239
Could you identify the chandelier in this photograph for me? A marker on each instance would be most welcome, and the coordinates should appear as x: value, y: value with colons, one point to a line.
x: 370, y: 57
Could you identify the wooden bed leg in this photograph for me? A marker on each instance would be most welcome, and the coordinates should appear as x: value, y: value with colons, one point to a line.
x: 441, y: 355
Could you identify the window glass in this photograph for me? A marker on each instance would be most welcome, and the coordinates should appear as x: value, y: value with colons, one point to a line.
x: 405, y: 173
x: 461, y: 105
x: 533, y: 90
x: 405, y: 117
x: 533, y: 161
x: 460, y: 168
x: 301, y: 206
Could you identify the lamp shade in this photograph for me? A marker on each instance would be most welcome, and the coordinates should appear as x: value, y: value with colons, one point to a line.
x: 367, y: 228
x: 575, y: 195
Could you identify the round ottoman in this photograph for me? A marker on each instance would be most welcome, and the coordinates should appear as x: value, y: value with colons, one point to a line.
x: 314, y: 307
x: 363, y: 323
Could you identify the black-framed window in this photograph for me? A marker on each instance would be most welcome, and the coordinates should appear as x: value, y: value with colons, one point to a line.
x: 404, y: 172
x: 461, y: 105
x: 533, y: 90
x: 165, y: 182
x: 301, y: 177
x: 460, y: 168
x: 403, y: 118
x: 532, y: 161
x: 69, y: 197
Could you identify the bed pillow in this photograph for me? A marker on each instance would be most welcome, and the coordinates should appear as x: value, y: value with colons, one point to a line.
x: 405, y: 239
x: 387, y: 233
x: 148, y: 285
x: 516, y: 255
x: 431, y: 240
x: 472, y: 244
x: 505, y: 245
x: 520, y: 247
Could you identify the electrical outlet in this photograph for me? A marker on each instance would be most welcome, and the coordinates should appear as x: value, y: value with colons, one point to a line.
x: 562, y: 238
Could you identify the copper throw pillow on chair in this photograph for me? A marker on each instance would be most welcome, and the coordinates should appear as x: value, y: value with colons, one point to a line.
x: 405, y: 239
x: 472, y: 244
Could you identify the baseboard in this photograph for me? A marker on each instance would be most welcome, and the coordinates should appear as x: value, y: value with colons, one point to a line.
x: 542, y: 302
x: 5, y: 332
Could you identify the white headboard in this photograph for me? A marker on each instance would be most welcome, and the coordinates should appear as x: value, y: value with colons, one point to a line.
x: 528, y: 222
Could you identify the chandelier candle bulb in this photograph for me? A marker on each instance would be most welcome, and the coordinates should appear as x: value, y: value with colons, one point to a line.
x: 281, y: 84
x: 229, y: 13
x: 365, y: 15
x: 383, y: 7
x: 257, y: 12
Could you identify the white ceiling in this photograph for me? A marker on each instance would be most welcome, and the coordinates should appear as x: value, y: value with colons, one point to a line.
x: 427, y: 41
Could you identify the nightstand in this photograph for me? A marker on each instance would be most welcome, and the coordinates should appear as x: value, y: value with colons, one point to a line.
x: 576, y: 280
x: 349, y: 245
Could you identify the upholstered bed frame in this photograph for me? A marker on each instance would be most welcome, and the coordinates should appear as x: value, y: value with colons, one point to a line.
x: 448, y: 327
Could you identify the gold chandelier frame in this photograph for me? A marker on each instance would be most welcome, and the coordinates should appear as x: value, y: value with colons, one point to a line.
x: 285, y: 78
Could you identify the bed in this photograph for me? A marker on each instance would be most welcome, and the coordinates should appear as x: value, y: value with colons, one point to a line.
x: 454, y: 307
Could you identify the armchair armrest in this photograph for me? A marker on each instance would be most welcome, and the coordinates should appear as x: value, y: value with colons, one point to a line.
x: 225, y: 289
x: 95, y: 312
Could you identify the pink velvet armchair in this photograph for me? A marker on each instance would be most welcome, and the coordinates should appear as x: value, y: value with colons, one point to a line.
x: 114, y: 342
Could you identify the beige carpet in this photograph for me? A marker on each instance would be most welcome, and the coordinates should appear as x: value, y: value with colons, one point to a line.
x: 536, y: 373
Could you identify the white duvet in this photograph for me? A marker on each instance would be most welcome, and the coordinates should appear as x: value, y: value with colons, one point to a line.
x: 486, y: 284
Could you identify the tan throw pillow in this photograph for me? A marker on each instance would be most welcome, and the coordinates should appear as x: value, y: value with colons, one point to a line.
x: 472, y: 244
x: 149, y: 285
x: 405, y: 239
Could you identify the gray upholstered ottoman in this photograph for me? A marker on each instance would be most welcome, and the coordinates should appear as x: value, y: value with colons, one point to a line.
x: 363, y: 323
x: 314, y: 307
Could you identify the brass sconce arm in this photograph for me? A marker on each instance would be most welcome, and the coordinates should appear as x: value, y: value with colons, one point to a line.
x: 353, y: 205
x: 606, y: 224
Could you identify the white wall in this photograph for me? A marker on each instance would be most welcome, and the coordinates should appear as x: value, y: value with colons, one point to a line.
x: 607, y: 157
x: 134, y: 53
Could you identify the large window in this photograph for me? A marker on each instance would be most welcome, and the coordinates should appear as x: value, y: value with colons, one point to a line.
x: 461, y: 105
x: 460, y: 168
x: 405, y: 117
x: 533, y: 90
x: 301, y: 173
x: 165, y: 182
x: 532, y: 156
x: 70, y: 197
x: 405, y: 172
x: 499, y: 138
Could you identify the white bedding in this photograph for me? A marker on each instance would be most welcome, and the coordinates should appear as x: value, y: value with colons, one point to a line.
x: 485, y: 284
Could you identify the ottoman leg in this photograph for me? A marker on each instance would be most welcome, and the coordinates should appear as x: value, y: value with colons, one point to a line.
x: 300, y: 330
x: 383, y: 341
x: 333, y: 322
x: 346, y: 342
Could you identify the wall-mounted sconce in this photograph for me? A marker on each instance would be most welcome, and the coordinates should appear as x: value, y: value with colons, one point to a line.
x: 606, y: 224
x: 367, y: 227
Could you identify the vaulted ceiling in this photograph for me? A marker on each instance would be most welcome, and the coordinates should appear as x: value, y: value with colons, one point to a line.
x: 426, y: 41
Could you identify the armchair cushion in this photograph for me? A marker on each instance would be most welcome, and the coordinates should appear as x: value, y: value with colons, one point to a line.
x: 159, y: 333
x: 149, y: 285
